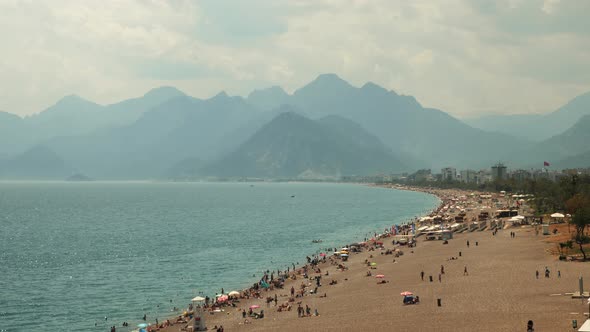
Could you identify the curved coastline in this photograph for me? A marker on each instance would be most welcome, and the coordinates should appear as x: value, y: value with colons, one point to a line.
x: 378, y: 232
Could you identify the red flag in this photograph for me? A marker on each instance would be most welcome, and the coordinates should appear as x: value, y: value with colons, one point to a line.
x: 546, y: 164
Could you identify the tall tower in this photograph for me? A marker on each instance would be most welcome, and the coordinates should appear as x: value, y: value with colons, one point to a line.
x: 498, y: 172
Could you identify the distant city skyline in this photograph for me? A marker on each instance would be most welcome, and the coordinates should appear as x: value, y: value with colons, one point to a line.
x: 467, y: 58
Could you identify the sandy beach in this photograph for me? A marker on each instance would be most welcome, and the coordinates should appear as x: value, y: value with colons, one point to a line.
x: 499, y: 292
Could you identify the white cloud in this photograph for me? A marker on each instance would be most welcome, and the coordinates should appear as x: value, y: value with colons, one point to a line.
x: 549, y: 6
x: 461, y: 56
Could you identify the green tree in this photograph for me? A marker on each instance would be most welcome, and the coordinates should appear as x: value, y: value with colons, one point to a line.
x: 581, y: 220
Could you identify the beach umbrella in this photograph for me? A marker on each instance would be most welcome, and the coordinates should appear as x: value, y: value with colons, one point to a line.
x: 373, y: 264
x: 343, y: 255
x: 142, y: 325
x: 254, y: 306
x: 322, y: 254
x: 557, y: 215
x: 222, y: 298
x: 199, y: 298
x: 234, y: 293
x: 380, y: 276
x: 406, y: 293
x: 519, y: 217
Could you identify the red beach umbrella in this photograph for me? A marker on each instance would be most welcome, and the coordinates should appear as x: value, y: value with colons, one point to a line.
x: 406, y: 293
x: 254, y: 306
x: 380, y: 276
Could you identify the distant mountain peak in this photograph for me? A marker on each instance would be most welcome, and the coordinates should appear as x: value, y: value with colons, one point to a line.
x: 269, y: 98
x: 164, y: 92
x: 330, y: 79
x: 371, y: 85
x: 274, y: 90
x: 222, y: 94
x: 325, y: 83
x: 376, y: 89
x: 72, y: 102
x: 73, y: 98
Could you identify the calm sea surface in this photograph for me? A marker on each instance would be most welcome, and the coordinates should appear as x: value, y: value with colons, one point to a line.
x: 72, y: 254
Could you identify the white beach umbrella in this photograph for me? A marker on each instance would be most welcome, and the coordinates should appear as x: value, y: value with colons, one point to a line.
x: 557, y: 215
x: 198, y: 298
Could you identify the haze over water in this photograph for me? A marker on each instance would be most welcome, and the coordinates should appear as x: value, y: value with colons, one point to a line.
x: 73, y: 253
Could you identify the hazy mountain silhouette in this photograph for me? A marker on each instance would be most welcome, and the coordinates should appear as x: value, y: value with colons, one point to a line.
x: 536, y: 127
x: 268, y: 99
x: 14, y: 135
x: 568, y: 149
x: 180, y: 128
x: 74, y: 116
x: 167, y: 132
x: 403, y: 124
x: 292, y: 145
x: 39, y: 162
x: 127, y: 111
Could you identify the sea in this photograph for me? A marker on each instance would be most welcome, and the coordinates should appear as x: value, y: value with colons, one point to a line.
x: 83, y: 256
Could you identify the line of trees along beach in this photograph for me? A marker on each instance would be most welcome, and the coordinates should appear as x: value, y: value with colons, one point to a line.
x: 570, y: 194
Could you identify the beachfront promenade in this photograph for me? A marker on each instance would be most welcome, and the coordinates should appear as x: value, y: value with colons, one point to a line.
x: 499, y: 293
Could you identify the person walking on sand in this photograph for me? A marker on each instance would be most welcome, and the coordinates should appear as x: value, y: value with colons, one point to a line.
x: 537, y: 274
x: 465, y: 273
x: 292, y: 291
x: 442, y: 269
x: 529, y: 326
x: 422, y: 275
x: 439, y: 277
x: 467, y: 243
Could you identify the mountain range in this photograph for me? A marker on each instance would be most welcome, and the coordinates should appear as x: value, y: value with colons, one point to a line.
x: 536, y: 127
x: 327, y: 128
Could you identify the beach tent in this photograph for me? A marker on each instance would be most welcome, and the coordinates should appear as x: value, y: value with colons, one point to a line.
x: 585, y: 327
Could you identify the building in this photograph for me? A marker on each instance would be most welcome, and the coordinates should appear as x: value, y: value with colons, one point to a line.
x: 468, y: 176
x: 499, y: 172
x: 421, y: 175
x: 521, y: 175
x: 448, y: 174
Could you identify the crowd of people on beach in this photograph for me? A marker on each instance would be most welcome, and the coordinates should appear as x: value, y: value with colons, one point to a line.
x: 269, y: 288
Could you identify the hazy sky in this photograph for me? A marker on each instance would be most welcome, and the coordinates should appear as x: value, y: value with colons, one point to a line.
x: 464, y: 57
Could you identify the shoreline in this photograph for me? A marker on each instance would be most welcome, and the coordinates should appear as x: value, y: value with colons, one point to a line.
x: 436, y: 193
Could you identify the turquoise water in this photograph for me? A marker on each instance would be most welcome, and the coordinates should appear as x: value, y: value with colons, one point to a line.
x: 72, y: 254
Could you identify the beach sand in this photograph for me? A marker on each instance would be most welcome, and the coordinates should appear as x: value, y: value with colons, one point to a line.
x: 501, y: 292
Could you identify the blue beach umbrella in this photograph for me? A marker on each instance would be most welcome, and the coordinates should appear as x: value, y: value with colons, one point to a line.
x: 142, y: 325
